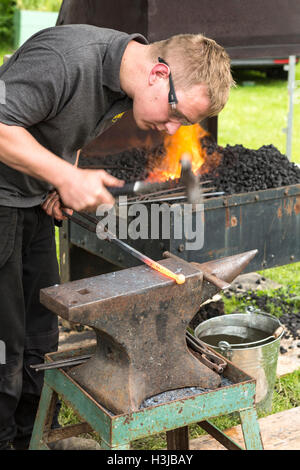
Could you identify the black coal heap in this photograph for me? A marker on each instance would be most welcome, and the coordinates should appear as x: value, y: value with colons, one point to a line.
x: 232, y: 169
x: 133, y: 164
x: 244, y: 170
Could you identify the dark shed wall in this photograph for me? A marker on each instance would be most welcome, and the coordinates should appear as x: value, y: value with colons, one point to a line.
x: 247, y: 28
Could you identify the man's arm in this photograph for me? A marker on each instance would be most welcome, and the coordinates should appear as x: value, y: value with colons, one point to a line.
x: 78, y: 189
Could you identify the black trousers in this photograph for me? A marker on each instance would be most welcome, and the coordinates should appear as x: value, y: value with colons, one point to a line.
x: 27, y: 264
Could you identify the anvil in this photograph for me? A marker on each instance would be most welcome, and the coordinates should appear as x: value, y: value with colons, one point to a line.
x: 140, y: 319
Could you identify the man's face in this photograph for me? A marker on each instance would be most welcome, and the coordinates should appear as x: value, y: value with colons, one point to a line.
x: 152, y: 110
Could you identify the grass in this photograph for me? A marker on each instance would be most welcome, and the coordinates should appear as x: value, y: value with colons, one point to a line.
x: 286, y: 275
x: 277, y: 302
x: 287, y: 392
x: 255, y: 115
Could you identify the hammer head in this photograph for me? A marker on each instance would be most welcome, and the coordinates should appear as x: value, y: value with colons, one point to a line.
x: 190, y: 181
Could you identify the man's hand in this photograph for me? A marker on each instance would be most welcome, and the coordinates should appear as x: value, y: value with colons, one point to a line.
x: 53, y: 207
x: 78, y: 189
x: 85, y: 189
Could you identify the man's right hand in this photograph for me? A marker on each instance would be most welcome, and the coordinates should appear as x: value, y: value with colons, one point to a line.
x: 78, y: 189
x: 85, y: 189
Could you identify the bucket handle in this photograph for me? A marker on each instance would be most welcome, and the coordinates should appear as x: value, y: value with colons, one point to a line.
x: 278, y: 332
x: 226, y: 347
x: 252, y: 310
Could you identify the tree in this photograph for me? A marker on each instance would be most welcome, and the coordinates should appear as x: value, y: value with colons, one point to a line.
x: 6, y: 21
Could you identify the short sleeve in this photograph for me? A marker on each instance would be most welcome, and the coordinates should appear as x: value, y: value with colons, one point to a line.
x: 34, y: 86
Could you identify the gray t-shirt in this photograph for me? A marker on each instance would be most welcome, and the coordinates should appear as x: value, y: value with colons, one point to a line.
x: 63, y: 86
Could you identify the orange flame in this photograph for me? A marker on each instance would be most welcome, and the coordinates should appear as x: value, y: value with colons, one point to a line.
x: 186, y: 140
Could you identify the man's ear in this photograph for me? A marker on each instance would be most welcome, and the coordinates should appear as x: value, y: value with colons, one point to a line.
x: 159, y: 71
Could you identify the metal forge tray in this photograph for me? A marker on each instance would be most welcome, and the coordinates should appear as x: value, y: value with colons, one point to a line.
x: 267, y: 220
x: 116, y: 429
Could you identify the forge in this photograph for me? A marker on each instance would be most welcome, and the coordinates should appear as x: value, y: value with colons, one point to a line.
x: 251, y: 201
x: 260, y: 215
x: 140, y: 317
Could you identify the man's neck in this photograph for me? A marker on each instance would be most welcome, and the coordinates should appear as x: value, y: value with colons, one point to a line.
x: 134, y: 67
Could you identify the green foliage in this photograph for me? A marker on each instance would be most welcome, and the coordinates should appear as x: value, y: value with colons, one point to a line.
x: 277, y: 302
x: 6, y: 21
x: 233, y: 305
x: 286, y: 275
x: 287, y: 392
x: 67, y: 415
x: 40, y: 5
x: 7, y: 8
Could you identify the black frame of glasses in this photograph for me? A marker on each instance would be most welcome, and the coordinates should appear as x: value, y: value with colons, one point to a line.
x: 172, y: 98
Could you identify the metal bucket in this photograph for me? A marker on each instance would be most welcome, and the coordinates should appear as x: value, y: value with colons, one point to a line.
x: 251, y: 341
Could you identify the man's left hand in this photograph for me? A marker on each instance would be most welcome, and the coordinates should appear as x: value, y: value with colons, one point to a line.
x: 53, y: 206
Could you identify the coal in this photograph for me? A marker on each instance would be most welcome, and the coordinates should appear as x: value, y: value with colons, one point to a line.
x: 179, y: 393
x: 208, y: 310
x: 284, y: 304
x: 133, y: 164
x: 243, y: 170
x: 233, y: 169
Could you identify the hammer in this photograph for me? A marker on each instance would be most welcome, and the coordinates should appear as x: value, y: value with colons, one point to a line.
x: 187, y: 178
x: 190, y: 180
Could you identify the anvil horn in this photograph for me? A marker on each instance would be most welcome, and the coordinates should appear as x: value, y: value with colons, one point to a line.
x: 224, y: 269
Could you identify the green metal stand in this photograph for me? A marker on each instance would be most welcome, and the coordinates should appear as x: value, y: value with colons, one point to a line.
x: 117, y: 431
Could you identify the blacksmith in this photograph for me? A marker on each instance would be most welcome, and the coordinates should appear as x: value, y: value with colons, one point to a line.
x: 60, y: 90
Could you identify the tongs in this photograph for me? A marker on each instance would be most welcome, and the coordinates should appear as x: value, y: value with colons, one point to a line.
x: 207, y: 357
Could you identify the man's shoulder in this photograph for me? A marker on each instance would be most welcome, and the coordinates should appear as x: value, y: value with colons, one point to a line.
x: 68, y: 38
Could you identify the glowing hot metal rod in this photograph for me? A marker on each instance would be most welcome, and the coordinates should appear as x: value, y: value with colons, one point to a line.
x: 179, y: 278
x: 93, y: 225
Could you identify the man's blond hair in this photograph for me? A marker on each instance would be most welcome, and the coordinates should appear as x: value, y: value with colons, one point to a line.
x: 193, y: 59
